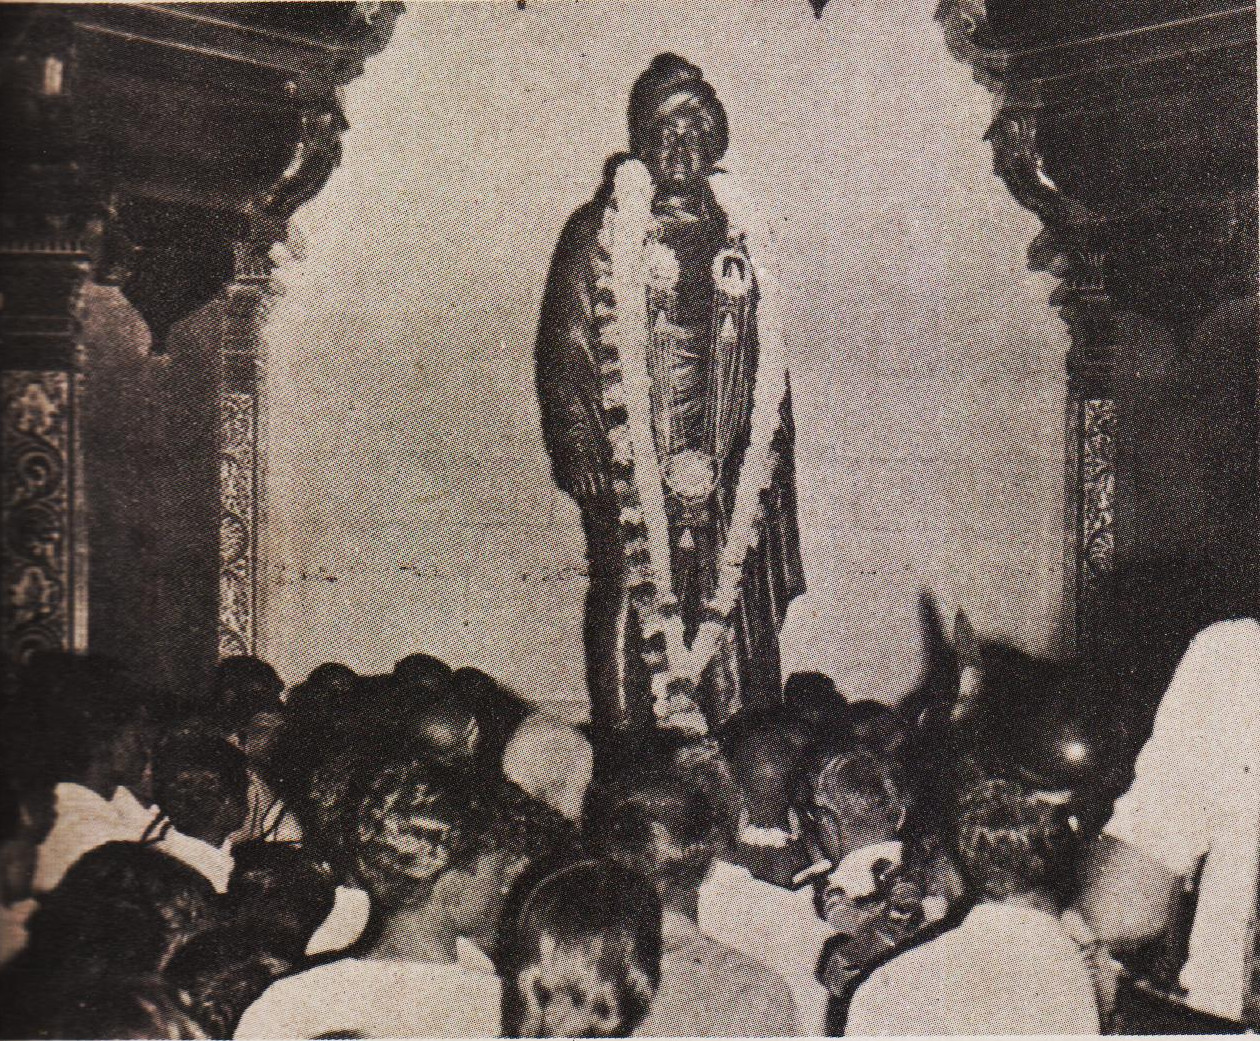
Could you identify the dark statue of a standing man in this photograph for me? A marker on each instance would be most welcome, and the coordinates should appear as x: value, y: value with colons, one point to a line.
x: 667, y: 413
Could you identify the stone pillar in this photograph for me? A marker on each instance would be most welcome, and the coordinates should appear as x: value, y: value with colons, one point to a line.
x: 240, y: 479
x: 42, y: 512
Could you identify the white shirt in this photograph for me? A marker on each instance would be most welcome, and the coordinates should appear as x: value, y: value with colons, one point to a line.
x: 1005, y: 970
x: 84, y: 821
x: 215, y: 862
x: 778, y: 927
x: 345, y: 922
x: 552, y: 761
x: 380, y: 998
x: 1196, y: 795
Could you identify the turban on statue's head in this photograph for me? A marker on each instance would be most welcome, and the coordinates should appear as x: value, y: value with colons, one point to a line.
x: 669, y: 82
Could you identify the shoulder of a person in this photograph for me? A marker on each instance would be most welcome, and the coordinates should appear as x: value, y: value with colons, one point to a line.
x: 1226, y: 638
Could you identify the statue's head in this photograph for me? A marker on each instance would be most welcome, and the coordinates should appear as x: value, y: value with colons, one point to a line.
x: 678, y: 127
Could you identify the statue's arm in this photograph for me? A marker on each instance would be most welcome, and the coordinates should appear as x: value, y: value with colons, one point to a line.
x: 568, y: 388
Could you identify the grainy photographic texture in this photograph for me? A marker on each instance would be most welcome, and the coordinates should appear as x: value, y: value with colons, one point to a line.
x: 664, y: 517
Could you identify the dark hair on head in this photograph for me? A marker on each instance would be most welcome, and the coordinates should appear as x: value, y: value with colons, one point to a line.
x: 423, y: 671
x: 222, y: 972
x: 201, y: 782
x: 1011, y: 840
x: 123, y: 906
x: 666, y: 831
x: 139, y: 1007
x: 862, y: 788
x: 499, y: 711
x: 524, y: 828
x: 68, y: 710
x: 281, y: 890
x: 582, y: 958
x: 243, y: 687
x: 878, y: 726
x: 417, y: 821
x: 667, y: 75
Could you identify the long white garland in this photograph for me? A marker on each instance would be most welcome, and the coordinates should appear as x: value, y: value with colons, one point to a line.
x: 626, y: 384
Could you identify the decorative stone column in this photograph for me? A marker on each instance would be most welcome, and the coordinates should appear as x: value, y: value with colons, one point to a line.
x: 42, y: 512
x: 1129, y: 129
x: 240, y: 478
x: 160, y: 148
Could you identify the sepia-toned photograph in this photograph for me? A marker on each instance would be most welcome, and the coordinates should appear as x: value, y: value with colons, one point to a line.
x: 592, y: 518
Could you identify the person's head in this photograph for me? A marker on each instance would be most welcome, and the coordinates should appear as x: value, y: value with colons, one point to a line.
x: 677, y: 125
x: 88, y: 715
x: 583, y: 956
x: 221, y: 973
x: 121, y: 907
x: 499, y: 711
x: 244, y: 687
x: 424, y: 673
x: 446, y: 727
x: 281, y: 891
x: 815, y: 698
x: 142, y: 1008
x: 423, y: 843
x: 765, y: 755
x: 1012, y: 841
x: 201, y: 783
x: 879, y: 727
x: 668, y: 832
x: 854, y: 800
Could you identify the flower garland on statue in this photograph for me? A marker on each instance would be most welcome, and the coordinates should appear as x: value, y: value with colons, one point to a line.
x: 625, y: 384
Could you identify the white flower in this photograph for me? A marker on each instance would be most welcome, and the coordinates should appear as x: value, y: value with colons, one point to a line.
x: 662, y: 265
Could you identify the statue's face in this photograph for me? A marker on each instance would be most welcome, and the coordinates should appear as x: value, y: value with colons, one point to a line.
x: 681, y: 148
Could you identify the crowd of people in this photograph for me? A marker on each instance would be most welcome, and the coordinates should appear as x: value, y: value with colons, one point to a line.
x: 428, y: 854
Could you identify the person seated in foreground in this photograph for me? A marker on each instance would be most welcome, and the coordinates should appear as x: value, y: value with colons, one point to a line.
x: 1009, y: 967
x: 875, y: 889
x: 583, y: 956
x: 121, y: 910
x: 201, y: 784
x: 1193, y: 808
x: 102, y: 737
x: 421, y: 850
x: 671, y: 833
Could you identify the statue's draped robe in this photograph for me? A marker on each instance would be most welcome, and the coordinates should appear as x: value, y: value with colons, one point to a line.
x: 746, y: 670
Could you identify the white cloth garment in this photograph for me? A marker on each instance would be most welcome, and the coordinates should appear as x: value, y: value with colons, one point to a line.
x: 215, y: 862
x: 345, y: 922
x: 13, y: 935
x: 775, y: 926
x: 1196, y: 795
x: 552, y: 761
x: 1005, y: 970
x: 84, y: 821
x: 372, y: 998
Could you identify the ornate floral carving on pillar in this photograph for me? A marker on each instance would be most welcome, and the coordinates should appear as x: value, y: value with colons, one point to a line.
x: 160, y: 148
x: 1129, y: 129
x: 240, y: 478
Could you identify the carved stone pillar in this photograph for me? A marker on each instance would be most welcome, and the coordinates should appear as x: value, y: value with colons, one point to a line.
x: 47, y: 240
x: 160, y: 148
x: 1129, y: 128
x: 43, y: 516
x: 240, y: 478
